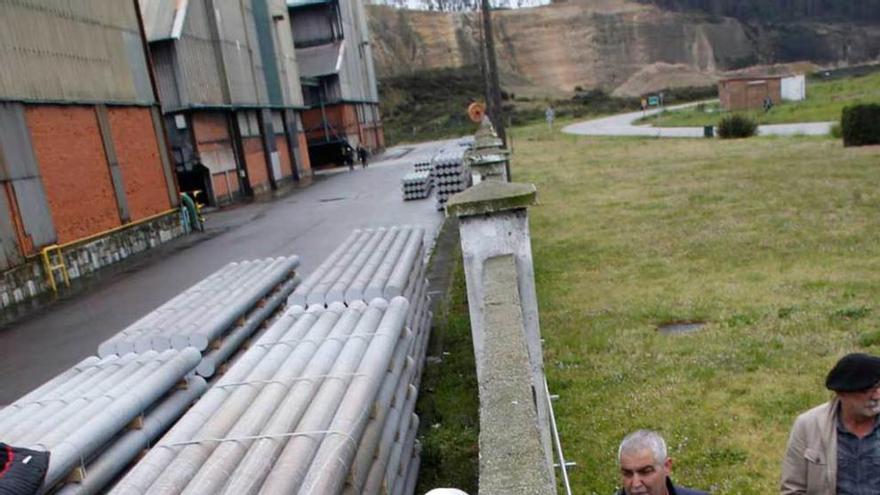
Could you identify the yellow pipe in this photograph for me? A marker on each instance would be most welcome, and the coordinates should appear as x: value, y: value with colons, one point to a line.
x: 50, y: 269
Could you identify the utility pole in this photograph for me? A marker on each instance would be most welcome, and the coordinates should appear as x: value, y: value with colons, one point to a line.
x: 493, y: 89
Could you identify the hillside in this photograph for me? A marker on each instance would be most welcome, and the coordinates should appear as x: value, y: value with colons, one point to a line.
x: 626, y: 46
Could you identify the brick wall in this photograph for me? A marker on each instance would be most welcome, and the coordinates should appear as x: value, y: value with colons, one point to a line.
x: 70, y: 154
x: 284, y: 156
x: 746, y: 94
x: 210, y: 126
x: 256, y: 164
x: 306, y: 165
x: 137, y: 150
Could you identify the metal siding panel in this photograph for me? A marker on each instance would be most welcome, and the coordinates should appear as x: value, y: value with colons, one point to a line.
x: 70, y: 51
x: 310, y: 26
x: 197, y: 61
x: 19, y: 160
x: 9, y: 253
x: 166, y: 80
x: 163, y: 156
x: 113, y: 163
x: 134, y: 48
x: 238, y: 50
x: 34, y: 208
x: 20, y: 167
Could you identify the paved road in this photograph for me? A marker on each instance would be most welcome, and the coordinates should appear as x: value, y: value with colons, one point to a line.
x: 309, y: 222
x: 622, y: 125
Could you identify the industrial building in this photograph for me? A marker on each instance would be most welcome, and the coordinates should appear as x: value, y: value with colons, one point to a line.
x: 228, y: 81
x: 338, y: 78
x: 82, y: 149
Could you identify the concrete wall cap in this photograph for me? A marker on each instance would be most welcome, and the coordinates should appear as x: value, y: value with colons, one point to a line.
x: 491, y: 197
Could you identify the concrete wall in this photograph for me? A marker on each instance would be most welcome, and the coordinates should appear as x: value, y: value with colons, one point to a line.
x: 794, y: 88
x: 511, y: 454
x: 493, y: 224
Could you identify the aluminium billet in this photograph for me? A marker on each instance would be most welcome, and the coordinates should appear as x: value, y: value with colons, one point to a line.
x: 205, y: 311
x: 297, y: 395
x: 412, y: 476
x: 115, y: 457
x: 84, y: 417
x: 370, y: 263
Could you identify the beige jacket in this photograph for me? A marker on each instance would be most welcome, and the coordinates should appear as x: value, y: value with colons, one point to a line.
x: 810, y: 464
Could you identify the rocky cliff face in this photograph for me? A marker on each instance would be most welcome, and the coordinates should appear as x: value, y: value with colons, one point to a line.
x: 624, y: 46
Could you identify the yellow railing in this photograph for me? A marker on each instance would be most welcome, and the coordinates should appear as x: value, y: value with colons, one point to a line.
x: 51, y: 267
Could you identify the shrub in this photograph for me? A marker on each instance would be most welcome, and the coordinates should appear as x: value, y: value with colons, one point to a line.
x: 861, y: 124
x: 836, y: 131
x: 736, y: 126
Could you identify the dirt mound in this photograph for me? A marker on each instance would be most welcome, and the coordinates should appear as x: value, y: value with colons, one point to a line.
x: 661, y: 75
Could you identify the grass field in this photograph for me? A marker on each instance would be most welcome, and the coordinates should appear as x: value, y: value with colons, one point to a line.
x: 771, y: 242
x: 825, y: 100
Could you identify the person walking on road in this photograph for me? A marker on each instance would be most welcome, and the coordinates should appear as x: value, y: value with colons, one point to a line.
x: 348, y: 155
x: 362, y: 155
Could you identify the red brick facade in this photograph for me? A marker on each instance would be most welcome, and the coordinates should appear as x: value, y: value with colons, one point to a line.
x: 749, y: 93
x: 70, y: 155
x: 137, y: 150
x: 256, y: 164
x: 283, y: 156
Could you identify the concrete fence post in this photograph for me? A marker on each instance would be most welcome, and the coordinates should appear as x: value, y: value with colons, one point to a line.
x: 493, y: 222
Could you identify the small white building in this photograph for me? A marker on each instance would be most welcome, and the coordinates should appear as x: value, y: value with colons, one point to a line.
x: 794, y: 88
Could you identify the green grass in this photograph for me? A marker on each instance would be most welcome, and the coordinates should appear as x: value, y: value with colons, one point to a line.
x: 824, y: 103
x: 448, y: 404
x: 770, y: 241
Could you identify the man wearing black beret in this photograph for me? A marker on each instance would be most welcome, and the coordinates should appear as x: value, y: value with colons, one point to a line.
x: 835, y: 447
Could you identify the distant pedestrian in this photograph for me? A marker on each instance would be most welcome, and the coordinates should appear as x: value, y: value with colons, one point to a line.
x: 348, y: 155
x: 362, y: 155
x: 644, y: 105
x: 768, y: 104
x: 550, y: 115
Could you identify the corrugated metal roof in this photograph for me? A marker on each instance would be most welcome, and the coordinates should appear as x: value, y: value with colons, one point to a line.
x: 305, y: 3
x: 320, y: 60
x: 163, y: 19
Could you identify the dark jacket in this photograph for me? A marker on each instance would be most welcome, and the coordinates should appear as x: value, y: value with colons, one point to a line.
x: 674, y: 490
x: 21, y: 470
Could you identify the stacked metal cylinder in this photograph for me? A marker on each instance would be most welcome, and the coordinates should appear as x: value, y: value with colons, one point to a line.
x: 416, y: 185
x: 450, y: 174
x: 100, y: 414
x: 320, y: 404
x: 215, y: 316
x: 370, y: 263
x: 423, y: 166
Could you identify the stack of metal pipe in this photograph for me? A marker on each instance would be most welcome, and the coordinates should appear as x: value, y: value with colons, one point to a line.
x: 450, y: 174
x: 97, y: 416
x: 424, y: 165
x: 370, y: 263
x: 215, y: 316
x: 416, y: 185
x: 321, y: 403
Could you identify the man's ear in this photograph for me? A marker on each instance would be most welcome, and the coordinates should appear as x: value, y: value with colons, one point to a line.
x: 667, y: 465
